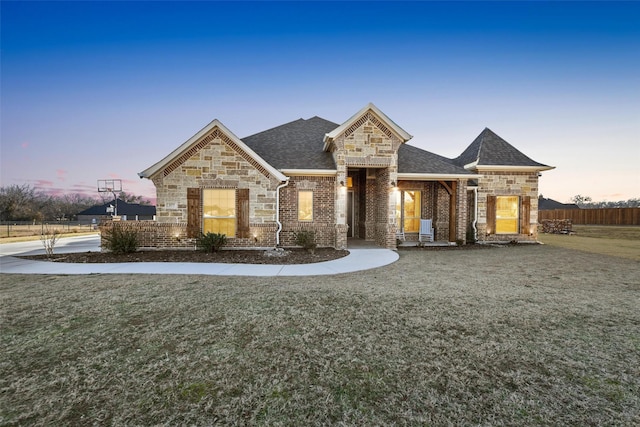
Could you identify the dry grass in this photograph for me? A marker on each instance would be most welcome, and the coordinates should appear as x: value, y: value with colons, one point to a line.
x: 621, y: 241
x: 533, y: 335
x: 32, y: 235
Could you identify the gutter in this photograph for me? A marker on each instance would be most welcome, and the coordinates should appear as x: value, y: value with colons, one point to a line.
x: 475, y: 214
x: 284, y: 184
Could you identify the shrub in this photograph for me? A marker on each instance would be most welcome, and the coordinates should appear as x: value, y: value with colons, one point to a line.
x: 120, y: 240
x: 211, y: 242
x: 306, y: 239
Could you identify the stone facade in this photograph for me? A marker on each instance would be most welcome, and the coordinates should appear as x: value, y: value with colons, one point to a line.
x: 368, y: 144
x: 217, y: 163
x: 507, y: 183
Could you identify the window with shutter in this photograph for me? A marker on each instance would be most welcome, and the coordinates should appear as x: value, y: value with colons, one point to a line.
x: 219, y: 211
x: 507, y: 214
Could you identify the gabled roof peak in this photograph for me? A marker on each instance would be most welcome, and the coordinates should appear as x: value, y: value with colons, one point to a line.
x: 191, y: 145
x: 370, y: 107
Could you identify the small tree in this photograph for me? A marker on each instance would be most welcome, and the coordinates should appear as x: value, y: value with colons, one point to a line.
x: 49, y: 237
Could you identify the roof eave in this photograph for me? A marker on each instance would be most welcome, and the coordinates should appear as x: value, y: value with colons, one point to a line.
x: 509, y: 168
x: 309, y: 172
x: 436, y: 176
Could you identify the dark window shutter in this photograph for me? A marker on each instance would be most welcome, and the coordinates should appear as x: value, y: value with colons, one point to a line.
x: 193, y: 212
x: 242, y: 197
x: 491, y: 214
x: 525, y: 214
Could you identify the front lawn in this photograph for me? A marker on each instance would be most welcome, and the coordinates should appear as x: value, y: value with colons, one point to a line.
x: 517, y: 335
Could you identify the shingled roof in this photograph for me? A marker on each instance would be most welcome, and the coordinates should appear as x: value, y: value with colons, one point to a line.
x: 415, y: 160
x: 294, y: 145
x: 488, y: 149
x: 550, y: 204
x: 124, y: 208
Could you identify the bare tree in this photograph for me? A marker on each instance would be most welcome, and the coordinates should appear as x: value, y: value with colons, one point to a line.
x: 16, y: 201
x: 49, y: 237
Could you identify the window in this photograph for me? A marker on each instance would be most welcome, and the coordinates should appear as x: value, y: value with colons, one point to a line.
x: 507, y: 214
x: 305, y: 205
x: 408, y: 210
x: 219, y: 211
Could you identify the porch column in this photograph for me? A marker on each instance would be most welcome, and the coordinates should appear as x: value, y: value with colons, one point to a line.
x: 392, y: 227
x: 453, y: 211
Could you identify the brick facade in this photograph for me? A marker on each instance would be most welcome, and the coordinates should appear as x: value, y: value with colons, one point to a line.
x: 323, y: 224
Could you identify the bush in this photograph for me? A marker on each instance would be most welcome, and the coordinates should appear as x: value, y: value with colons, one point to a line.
x: 120, y: 240
x: 306, y: 239
x: 211, y: 242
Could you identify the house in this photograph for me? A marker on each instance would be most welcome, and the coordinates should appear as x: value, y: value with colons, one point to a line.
x: 125, y: 211
x: 545, y: 204
x: 359, y: 179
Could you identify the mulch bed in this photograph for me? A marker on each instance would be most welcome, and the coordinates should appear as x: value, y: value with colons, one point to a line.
x: 288, y: 256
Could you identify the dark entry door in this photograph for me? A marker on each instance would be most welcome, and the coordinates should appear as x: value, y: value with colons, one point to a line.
x: 350, y: 212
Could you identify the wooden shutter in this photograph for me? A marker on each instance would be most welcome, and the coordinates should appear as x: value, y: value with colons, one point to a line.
x: 525, y: 214
x: 242, y: 200
x: 491, y: 214
x: 193, y: 212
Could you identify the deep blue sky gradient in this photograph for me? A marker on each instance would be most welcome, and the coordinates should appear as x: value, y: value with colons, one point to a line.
x: 94, y: 90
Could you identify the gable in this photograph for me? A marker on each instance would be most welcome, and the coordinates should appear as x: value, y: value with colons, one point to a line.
x: 204, y: 138
x: 369, y: 114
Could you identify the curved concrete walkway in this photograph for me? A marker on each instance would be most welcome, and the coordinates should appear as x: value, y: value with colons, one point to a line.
x: 357, y: 260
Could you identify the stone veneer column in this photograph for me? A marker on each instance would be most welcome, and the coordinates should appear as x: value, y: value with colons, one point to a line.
x: 461, y: 201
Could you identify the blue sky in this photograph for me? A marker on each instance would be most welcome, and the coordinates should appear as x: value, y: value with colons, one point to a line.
x: 95, y: 90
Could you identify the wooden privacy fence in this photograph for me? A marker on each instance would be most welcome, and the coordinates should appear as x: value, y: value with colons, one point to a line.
x: 603, y: 216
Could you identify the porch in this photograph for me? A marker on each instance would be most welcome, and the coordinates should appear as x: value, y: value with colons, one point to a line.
x: 377, y: 205
x: 358, y: 243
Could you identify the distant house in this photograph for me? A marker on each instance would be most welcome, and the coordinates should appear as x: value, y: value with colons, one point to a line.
x: 359, y: 179
x: 126, y: 212
x: 550, y: 204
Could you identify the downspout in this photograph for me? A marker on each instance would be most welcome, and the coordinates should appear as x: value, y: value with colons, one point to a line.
x: 284, y: 184
x: 475, y: 214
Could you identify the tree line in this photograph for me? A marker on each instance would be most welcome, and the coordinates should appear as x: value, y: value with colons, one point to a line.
x: 585, y: 202
x: 25, y: 203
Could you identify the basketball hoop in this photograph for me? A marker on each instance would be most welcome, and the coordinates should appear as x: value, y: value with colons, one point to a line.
x: 112, y: 186
x: 109, y: 185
